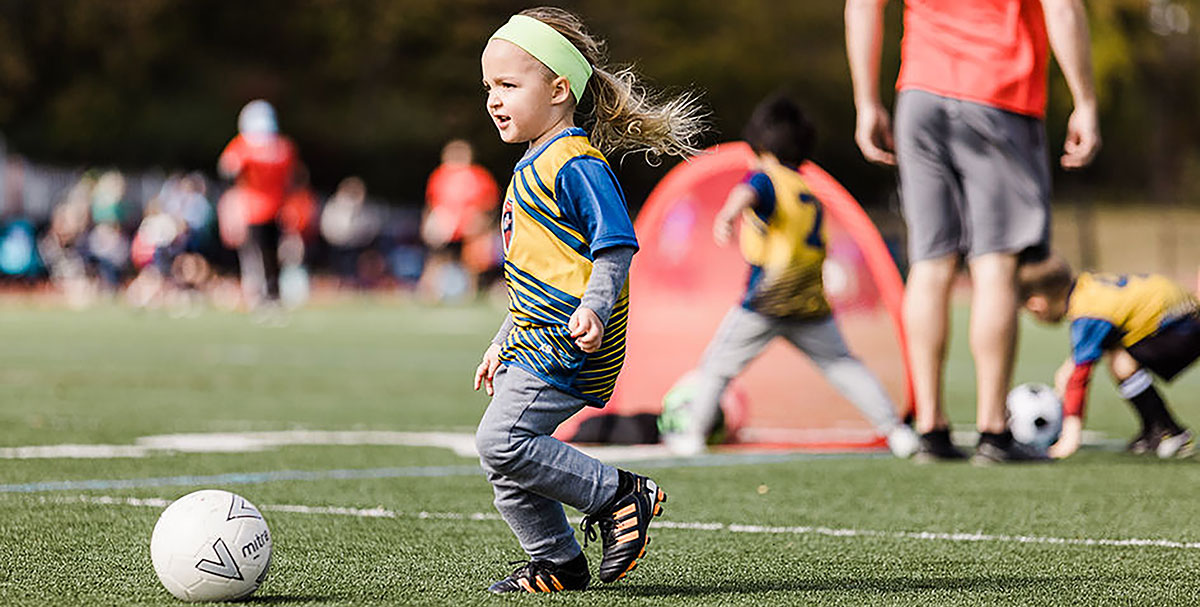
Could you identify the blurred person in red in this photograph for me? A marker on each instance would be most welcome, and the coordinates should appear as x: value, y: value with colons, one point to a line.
x: 459, y: 199
x: 263, y: 162
x: 349, y: 227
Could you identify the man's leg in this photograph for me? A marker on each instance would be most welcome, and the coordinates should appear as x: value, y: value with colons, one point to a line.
x: 932, y: 200
x: 926, y: 322
x: 993, y: 336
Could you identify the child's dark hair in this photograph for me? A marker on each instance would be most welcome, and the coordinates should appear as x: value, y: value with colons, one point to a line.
x: 1051, y: 276
x: 778, y: 126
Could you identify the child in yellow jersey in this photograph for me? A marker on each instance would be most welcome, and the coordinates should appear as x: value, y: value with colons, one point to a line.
x: 783, y: 241
x: 568, y: 242
x: 1142, y: 324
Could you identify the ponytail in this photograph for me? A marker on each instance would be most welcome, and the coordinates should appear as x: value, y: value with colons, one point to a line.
x: 626, y: 115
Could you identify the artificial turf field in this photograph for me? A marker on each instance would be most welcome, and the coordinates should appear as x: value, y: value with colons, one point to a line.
x: 789, y: 529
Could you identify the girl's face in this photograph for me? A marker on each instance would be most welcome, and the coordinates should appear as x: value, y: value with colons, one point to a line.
x: 523, y: 102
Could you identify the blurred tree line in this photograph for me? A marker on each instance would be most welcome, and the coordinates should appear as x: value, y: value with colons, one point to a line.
x: 375, y: 87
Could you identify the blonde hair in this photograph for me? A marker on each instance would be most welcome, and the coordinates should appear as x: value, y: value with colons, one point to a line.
x: 627, y: 115
x: 1050, y: 277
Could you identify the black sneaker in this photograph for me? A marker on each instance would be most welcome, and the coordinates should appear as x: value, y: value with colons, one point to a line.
x: 544, y: 576
x: 936, y: 446
x: 1001, y: 448
x: 624, y: 527
x: 1144, y: 443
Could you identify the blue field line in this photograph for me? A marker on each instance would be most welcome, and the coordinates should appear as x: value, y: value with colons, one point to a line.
x: 248, y: 478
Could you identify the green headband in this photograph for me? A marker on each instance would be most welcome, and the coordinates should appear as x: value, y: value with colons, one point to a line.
x: 550, y: 47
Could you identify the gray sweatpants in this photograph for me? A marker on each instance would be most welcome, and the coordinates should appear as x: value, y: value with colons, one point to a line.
x: 744, y: 334
x: 532, y: 473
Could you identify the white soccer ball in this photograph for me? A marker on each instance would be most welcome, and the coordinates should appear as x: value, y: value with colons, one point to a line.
x: 1034, y: 415
x: 211, y: 545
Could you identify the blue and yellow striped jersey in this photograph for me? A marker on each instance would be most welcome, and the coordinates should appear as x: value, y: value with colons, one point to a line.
x: 783, y: 241
x: 562, y: 206
x: 1107, y: 310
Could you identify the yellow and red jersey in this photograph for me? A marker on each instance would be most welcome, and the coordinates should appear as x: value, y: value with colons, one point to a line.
x: 1109, y: 311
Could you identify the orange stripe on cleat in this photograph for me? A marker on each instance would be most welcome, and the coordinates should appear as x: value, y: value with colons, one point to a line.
x: 626, y: 511
x: 524, y: 583
x: 557, y: 584
x: 662, y: 495
x: 628, y: 537
x: 542, y: 585
x: 658, y: 509
x: 625, y: 524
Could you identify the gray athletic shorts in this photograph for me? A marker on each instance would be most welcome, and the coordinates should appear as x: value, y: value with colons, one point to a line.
x: 973, y: 179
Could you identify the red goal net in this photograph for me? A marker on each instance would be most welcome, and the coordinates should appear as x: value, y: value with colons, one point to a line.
x: 682, y: 284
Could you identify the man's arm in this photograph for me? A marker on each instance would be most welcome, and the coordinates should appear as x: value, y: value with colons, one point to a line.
x: 864, y: 43
x: 1067, y: 28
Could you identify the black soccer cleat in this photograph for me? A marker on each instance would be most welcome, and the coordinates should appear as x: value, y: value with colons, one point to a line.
x: 935, y: 446
x: 544, y: 576
x: 1144, y: 443
x: 624, y: 527
x: 1002, y: 448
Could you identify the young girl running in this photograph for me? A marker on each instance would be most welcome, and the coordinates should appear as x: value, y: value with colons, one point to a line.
x: 568, y: 242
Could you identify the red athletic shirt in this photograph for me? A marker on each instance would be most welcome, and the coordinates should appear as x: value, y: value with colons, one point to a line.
x: 992, y: 52
x: 461, y: 193
x: 263, y: 165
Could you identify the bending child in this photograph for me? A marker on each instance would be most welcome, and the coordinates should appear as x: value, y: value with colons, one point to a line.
x: 1142, y: 324
x: 783, y: 241
x: 568, y: 242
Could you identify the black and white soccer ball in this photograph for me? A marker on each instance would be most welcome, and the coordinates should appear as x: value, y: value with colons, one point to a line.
x: 211, y: 545
x: 1035, y: 415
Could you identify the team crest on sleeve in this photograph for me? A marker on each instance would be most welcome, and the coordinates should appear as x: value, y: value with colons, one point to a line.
x: 506, y: 223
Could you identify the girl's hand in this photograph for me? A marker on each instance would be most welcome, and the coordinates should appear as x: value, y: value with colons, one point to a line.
x: 586, y: 329
x: 487, y: 369
x: 1069, y: 440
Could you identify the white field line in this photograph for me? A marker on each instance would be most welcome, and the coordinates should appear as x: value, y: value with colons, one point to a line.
x: 461, y: 443
x: 381, y: 512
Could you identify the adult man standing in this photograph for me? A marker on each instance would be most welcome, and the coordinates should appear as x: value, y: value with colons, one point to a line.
x: 971, y: 147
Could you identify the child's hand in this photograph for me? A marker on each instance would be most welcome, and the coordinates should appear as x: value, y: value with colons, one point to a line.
x: 722, y: 229
x: 1069, y: 440
x: 487, y: 369
x: 586, y: 329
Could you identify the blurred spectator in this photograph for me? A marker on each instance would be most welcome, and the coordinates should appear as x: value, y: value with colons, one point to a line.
x: 107, y: 246
x: 349, y: 226
x: 262, y: 161
x: 18, y: 248
x: 157, y: 240
x: 459, y: 199
x: 296, y: 224
x: 299, y: 209
x: 183, y: 197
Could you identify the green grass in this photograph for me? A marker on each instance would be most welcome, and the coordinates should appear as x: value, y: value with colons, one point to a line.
x: 111, y: 375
